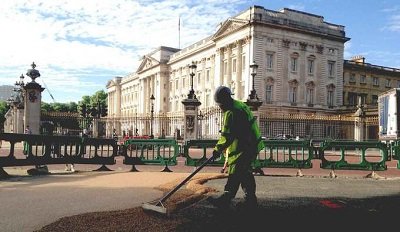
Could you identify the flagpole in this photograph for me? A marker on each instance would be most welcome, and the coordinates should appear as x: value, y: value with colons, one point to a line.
x: 179, y: 33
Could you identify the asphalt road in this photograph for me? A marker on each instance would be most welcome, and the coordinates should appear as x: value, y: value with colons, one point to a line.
x: 305, y: 204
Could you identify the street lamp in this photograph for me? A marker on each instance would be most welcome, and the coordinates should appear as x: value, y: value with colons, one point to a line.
x: 253, y: 69
x: 151, y: 116
x: 21, y: 81
x: 192, y: 69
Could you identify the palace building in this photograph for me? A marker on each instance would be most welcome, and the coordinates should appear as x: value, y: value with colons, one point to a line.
x: 300, y: 70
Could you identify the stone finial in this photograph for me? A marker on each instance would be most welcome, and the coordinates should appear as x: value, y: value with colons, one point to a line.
x: 33, y: 73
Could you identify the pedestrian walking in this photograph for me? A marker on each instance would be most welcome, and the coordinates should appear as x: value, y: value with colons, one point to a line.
x: 240, y: 136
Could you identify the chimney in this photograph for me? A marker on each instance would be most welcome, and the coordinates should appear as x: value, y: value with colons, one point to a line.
x: 358, y: 59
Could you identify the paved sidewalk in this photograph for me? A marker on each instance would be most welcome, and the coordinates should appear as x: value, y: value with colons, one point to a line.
x: 29, y: 203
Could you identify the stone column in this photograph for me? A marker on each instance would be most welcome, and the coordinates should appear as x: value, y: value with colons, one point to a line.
x: 359, y: 126
x: 32, y: 101
x: 190, y: 113
x: 191, y: 104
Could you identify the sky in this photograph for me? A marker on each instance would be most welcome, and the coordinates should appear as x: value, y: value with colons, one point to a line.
x: 79, y: 45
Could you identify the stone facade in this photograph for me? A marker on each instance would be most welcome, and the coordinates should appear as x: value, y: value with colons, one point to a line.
x: 366, y: 81
x: 299, y: 57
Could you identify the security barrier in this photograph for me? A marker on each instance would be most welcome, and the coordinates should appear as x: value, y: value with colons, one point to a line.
x: 285, y: 154
x: 334, y: 154
x: 196, y: 152
x: 352, y: 155
x: 44, y: 149
x: 151, y: 151
x: 395, y: 152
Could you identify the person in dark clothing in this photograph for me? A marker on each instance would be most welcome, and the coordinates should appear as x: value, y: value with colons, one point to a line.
x: 241, y: 138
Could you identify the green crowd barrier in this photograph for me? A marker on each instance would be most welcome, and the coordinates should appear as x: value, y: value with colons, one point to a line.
x: 48, y: 149
x: 285, y: 154
x: 395, y: 151
x: 354, y: 155
x: 198, y: 151
x: 151, y: 151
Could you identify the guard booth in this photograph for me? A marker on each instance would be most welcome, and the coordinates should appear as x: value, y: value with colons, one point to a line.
x: 388, y: 106
x: 389, y: 131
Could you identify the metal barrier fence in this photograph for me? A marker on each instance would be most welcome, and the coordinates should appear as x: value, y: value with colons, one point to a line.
x: 349, y: 155
x: 150, y: 151
x: 197, y: 152
x: 44, y: 149
x: 334, y: 154
x: 285, y: 154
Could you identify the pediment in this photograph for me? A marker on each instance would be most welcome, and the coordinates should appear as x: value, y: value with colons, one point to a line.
x: 147, y: 63
x: 230, y: 26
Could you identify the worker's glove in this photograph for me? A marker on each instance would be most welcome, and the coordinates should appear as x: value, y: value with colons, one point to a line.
x: 216, y: 154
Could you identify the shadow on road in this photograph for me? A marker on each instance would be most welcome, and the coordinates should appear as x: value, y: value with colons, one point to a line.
x: 296, y: 214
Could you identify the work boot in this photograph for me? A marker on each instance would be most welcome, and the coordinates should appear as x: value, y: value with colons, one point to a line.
x: 250, y: 203
x: 222, y: 202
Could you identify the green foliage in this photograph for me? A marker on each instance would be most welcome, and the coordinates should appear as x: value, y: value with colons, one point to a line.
x: 3, y: 110
x: 91, y: 103
x: 59, y: 107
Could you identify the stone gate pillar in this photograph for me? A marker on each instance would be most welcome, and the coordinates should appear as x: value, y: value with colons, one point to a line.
x: 191, y: 120
x: 32, y: 101
x: 359, y: 126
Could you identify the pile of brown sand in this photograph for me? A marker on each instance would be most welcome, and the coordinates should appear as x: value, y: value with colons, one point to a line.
x: 137, y: 219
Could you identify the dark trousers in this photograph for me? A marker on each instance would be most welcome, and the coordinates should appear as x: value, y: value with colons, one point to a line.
x: 242, y: 176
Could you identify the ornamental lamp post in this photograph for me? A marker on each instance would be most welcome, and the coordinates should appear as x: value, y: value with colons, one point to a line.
x: 192, y: 70
x: 151, y: 116
x: 253, y: 69
x: 21, y: 81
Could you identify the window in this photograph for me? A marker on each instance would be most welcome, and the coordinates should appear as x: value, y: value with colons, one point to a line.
x: 375, y: 81
x: 331, y: 68
x: 330, y: 95
x: 310, y: 96
x: 198, y: 79
x: 363, y: 79
x: 270, y: 61
x: 374, y: 99
x: 208, y: 75
x: 293, y: 94
x: 398, y: 84
x: 293, y: 64
x: 388, y: 83
x: 330, y: 98
x: 310, y: 66
x: 352, y: 97
x: 234, y: 65
x: 352, y: 78
x: 268, y: 93
x: 176, y: 84
x: 363, y: 98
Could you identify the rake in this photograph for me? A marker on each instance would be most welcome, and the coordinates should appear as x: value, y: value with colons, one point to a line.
x: 158, y: 205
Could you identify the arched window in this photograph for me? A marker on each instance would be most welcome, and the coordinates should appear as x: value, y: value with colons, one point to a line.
x: 269, y: 88
x: 293, y: 86
x: 310, y: 65
x: 294, y: 62
x: 310, y: 90
x: 330, y: 94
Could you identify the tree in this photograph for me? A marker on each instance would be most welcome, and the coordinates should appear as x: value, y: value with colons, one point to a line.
x: 46, y: 107
x: 3, y: 110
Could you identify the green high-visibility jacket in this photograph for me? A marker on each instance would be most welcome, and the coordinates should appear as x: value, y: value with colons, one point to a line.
x: 239, y: 133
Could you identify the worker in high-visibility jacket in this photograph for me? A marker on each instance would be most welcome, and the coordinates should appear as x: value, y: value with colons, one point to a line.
x: 241, y: 137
